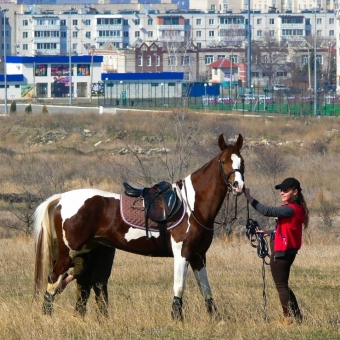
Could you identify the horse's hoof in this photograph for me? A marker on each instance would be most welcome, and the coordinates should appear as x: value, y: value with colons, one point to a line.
x: 48, y: 304
x: 176, y: 312
x: 211, y: 307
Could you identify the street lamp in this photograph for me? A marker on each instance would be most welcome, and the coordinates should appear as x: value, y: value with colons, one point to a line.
x: 315, y: 66
x: 70, y: 59
x: 4, y: 51
x: 91, y: 77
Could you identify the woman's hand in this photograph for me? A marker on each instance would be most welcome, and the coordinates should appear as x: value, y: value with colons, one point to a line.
x: 247, y: 194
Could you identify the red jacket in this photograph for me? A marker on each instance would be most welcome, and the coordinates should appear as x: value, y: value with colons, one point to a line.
x: 288, y: 233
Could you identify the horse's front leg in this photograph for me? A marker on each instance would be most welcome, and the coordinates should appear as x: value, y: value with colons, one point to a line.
x: 180, y: 273
x: 200, y: 271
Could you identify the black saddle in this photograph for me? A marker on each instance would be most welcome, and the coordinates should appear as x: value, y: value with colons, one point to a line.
x: 160, y: 201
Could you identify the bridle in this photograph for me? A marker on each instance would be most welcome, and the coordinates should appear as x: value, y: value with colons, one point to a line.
x: 229, y: 189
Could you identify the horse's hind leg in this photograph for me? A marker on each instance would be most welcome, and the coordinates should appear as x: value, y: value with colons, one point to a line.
x: 198, y: 266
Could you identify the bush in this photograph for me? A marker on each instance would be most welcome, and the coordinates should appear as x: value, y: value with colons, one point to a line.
x: 13, y: 107
x: 44, y: 109
x: 28, y: 109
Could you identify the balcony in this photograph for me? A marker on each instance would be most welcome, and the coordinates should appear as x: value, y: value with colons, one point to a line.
x: 108, y: 39
x: 293, y: 26
x: 46, y: 27
x: 36, y: 40
x: 169, y: 38
x: 170, y: 27
x: 109, y: 27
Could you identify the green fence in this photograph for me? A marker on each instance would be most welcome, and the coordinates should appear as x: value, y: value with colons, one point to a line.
x: 299, y: 101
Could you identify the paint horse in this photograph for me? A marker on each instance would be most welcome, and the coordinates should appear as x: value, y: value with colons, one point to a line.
x: 68, y: 223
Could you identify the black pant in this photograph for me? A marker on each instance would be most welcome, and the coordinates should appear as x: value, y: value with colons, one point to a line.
x: 280, y: 268
x: 93, y: 270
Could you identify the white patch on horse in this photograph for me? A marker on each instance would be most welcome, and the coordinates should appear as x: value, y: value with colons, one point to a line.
x: 72, y: 201
x: 190, y: 197
x: 135, y: 233
x: 180, y: 268
x: 236, y: 165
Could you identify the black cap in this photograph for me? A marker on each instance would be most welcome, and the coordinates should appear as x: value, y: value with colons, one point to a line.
x: 289, y: 183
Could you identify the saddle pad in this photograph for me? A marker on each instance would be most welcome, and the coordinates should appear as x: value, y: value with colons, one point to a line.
x: 132, y: 211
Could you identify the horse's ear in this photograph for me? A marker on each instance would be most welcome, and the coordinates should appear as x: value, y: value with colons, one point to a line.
x: 221, y: 142
x: 239, y: 142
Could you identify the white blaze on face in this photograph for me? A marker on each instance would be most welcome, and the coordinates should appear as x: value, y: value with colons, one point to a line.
x: 236, y: 165
x: 72, y: 201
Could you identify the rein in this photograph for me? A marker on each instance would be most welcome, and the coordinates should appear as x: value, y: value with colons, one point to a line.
x: 259, y: 241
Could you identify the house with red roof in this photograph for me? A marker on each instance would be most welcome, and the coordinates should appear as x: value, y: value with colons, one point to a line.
x: 222, y: 71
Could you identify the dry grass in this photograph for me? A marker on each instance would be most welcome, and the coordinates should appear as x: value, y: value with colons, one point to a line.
x: 140, y: 293
x: 140, y: 287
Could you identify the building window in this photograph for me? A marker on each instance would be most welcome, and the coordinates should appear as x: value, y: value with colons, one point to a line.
x: 265, y: 59
x: 185, y: 60
x: 198, y: 33
x: 63, y: 22
x: 220, y: 56
x: 150, y: 34
x: 319, y: 59
x: 281, y: 74
x: 318, y: 33
x: 25, y: 23
x: 88, y: 35
x: 331, y: 21
x: 75, y: 22
x: 272, y: 33
x: 199, y: 45
x: 304, y: 60
x: 199, y: 22
x: 209, y: 59
x: 137, y: 21
x: 259, y: 21
x: 213, y: 7
x: 187, y: 22
x: 140, y: 60
x: 125, y: 22
x: 25, y: 35
x: 271, y: 21
x: 148, y: 60
x: 331, y: 33
x: 150, y: 22
x: 74, y: 34
x: 211, y: 33
x: 319, y: 21
x: 63, y: 34
x: 125, y: 34
x: 259, y: 33
x: 211, y: 21
x: 172, y: 60
x: 233, y: 58
x: 137, y: 34
x: 87, y: 22
x: 25, y: 47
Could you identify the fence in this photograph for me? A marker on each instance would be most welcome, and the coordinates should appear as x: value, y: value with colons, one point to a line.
x: 202, y: 96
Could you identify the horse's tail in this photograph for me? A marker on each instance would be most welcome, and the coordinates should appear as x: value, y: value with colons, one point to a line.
x: 44, y: 235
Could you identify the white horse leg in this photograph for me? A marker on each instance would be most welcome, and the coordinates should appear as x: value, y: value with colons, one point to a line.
x: 180, y: 273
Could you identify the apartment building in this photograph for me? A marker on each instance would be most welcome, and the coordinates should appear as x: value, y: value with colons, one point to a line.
x: 190, y: 40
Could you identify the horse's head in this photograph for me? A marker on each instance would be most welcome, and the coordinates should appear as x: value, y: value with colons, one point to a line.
x: 232, y: 165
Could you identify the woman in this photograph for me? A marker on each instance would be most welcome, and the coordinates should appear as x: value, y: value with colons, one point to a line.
x: 287, y: 237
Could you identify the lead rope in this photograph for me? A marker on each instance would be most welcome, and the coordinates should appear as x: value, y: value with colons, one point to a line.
x: 259, y: 241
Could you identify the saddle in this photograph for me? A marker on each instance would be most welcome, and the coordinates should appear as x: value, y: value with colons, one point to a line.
x: 160, y: 201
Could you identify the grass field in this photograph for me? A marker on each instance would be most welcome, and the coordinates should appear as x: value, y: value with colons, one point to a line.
x: 140, y: 291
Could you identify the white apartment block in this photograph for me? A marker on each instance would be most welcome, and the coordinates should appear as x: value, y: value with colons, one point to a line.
x: 219, y: 25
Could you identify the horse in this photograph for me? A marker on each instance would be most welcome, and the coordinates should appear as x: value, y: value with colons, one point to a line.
x: 68, y: 223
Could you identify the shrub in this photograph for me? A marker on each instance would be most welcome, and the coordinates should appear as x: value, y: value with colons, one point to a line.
x: 44, y: 109
x: 13, y: 108
x: 28, y: 109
